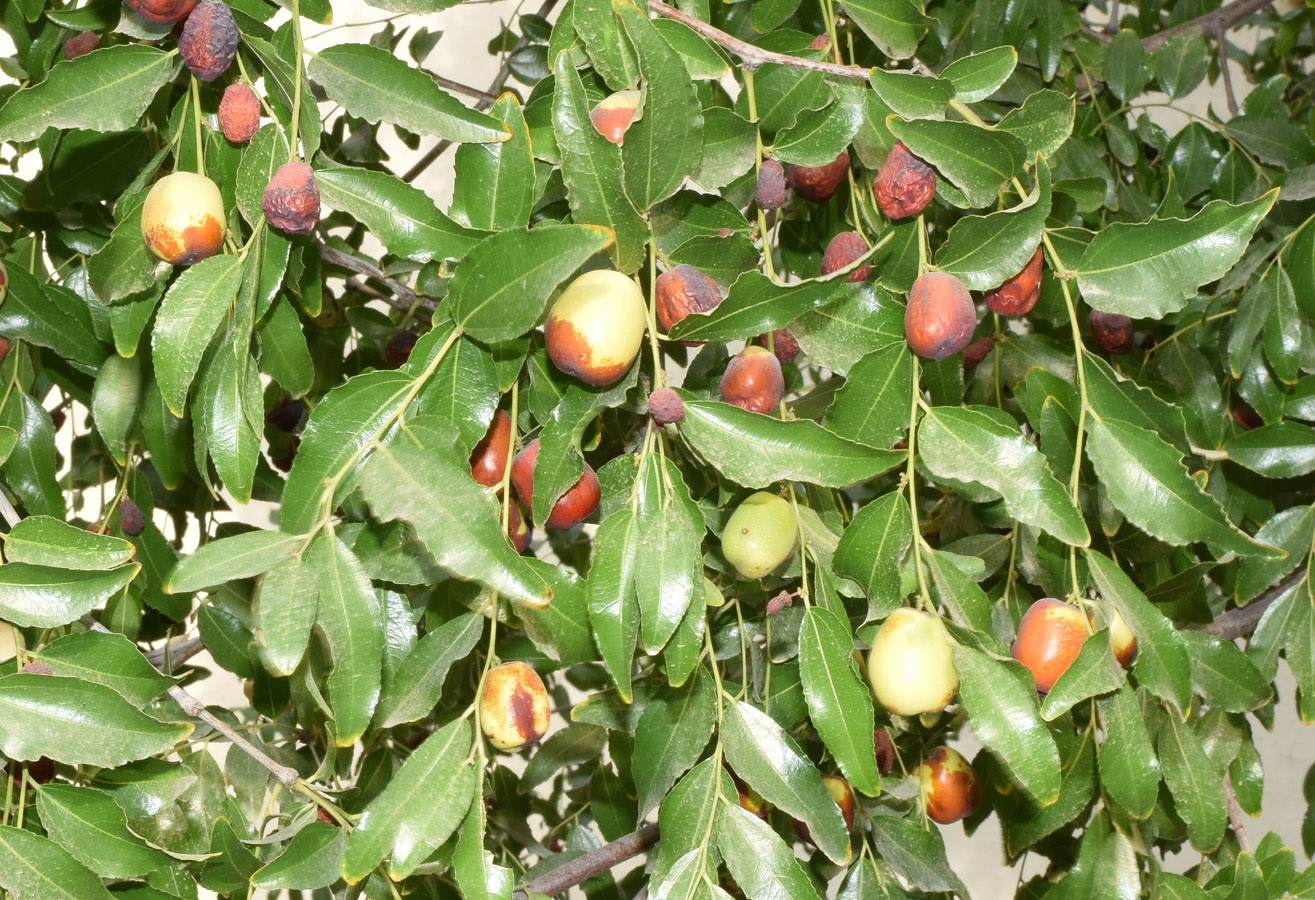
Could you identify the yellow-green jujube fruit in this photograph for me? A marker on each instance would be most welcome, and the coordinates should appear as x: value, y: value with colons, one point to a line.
x: 911, y: 664
x: 183, y: 218
x: 760, y: 535
x: 596, y: 327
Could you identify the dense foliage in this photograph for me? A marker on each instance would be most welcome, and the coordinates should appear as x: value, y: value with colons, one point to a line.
x: 1138, y: 444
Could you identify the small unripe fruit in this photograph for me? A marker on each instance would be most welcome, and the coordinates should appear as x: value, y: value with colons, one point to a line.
x: 666, y: 407
x: 614, y: 113
x: 489, y: 459
x: 939, y: 320
x: 81, y: 44
x: 1049, y: 639
x: 760, y: 535
x: 131, y: 520
x: 1122, y: 641
x: 753, y: 380
x: 574, y: 506
x: 680, y: 291
x: 1019, y: 294
x: 905, y: 185
x: 398, y: 349
x: 161, y: 12
x: 513, y: 706
x: 209, y: 40
x: 595, y: 329
x: 291, y: 200
x: 818, y: 183
x: 845, y: 248
x: 771, y: 185
x: 183, y: 218
x: 239, y: 113
x: 1111, y: 331
x: 517, y: 531
x: 948, y: 786
x: 977, y: 351
x: 783, y: 345
x: 843, y: 795
x: 885, y: 749
x: 911, y: 664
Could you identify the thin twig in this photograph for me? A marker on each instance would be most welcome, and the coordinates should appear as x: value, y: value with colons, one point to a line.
x: 1242, y: 621
x: 592, y: 863
x: 1235, y: 819
x: 460, y: 88
x: 1225, y: 17
x: 7, y: 510
x: 335, y: 257
x: 1221, y: 38
x: 174, y: 654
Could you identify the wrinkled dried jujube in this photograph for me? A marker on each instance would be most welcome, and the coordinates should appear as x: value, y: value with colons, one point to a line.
x: 771, y: 185
x: 161, y: 12
x: 1019, y: 294
x: 239, y: 113
x: 291, y: 200
x: 818, y: 183
x: 844, y: 249
x: 905, y: 184
x: 209, y: 40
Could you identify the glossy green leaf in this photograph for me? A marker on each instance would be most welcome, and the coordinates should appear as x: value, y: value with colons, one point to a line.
x: 916, y: 854
x: 36, y: 868
x: 613, y: 605
x: 312, y: 860
x: 1293, y: 531
x: 1094, y: 672
x: 50, y: 316
x: 1181, y: 63
x: 839, y: 703
x: 1042, y: 123
x: 975, y: 160
x: 47, y: 597
x: 415, y: 688
x: 820, y: 135
x: 1125, y: 65
x: 1195, y: 781
x: 494, y: 183
x: 702, y: 59
x: 189, y: 315
x: 567, y: 747
x: 895, y: 26
x: 668, y: 558
x: 46, y: 541
x: 872, y: 407
x: 857, y: 320
x: 1225, y: 676
x: 225, y: 405
x: 761, y: 863
x: 754, y: 305
x: 1281, y: 450
x: 685, y: 814
x: 350, y: 618
x: 477, y: 875
x: 873, y: 546
x: 265, y: 152
x: 979, y: 75
x: 230, y: 558
x: 1129, y: 769
x: 108, y: 659
x: 671, y: 735
x: 94, y: 830
x: 911, y: 95
x: 598, y: 26
x: 114, y: 403
x: 984, y: 251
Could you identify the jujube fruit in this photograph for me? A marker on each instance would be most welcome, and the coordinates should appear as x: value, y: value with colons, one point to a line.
x: 905, y: 185
x: 209, y: 40
x: 513, y: 706
x: 595, y: 329
x: 291, y: 200
x: 1019, y: 294
x: 753, y: 380
x: 131, y: 520
x: 666, y: 407
x: 771, y: 184
x: 161, y: 12
x: 682, y: 290
x: 573, y: 507
x: 286, y: 415
x: 1049, y: 639
x: 818, y: 183
x: 845, y: 248
x: 939, y: 320
x: 517, y: 531
x: 239, y: 113
x: 948, y: 787
x: 183, y: 218
x: 749, y: 799
x: 398, y: 349
x: 1123, y: 643
x: 489, y: 459
x: 845, y: 801
x: 783, y: 344
x: 760, y: 535
x: 885, y: 749
x: 1111, y: 331
x: 911, y: 663
x: 81, y: 44
x: 614, y: 113
x: 977, y: 351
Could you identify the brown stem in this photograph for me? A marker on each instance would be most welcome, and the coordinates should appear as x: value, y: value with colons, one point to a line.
x: 1221, y: 39
x: 1235, y: 820
x: 592, y: 863
x: 167, y: 657
x: 335, y: 257
x: 1242, y: 621
x: 1223, y: 18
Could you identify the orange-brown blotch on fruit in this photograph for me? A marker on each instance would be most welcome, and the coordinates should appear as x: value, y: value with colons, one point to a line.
x: 905, y: 185
x: 596, y: 327
x: 771, y: 185
x: 885, y: 749
x: 1123, y: 643
x: 513, y: 706
x: 749, y: 799
x: 489, y: 459
x: 1049, y: 639
x: 183, y: 218
x: 846, y: 802
x: 1111, y: 331
x: 161, y: 12
x: 977, y: 351
x: 291, y: 200
x: 131, y: 520
x: 845, y: 248
x: 209, y: 40
x: 939, y: 320
x: 666, y: 407
x: 948, y: 787
x: 782, y: 343
x: 760, y: 536
x: 818, y: 183
x: 239, y: 113
x: 753, y: 380
x: 682, y: 290
x: 1019, y: 294
x: 614, y: 113
x: 911, y: 663
x: 81, y: 44
x: 574, y: 506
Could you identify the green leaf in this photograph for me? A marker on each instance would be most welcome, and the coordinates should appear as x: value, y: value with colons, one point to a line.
x: 30, y: 468
x: 114, y: 403
x: 401, y: 216
x: 502, y: 288
x: 598, y: 27
x: 494, y: 183
x: 753, y: 305
x: 351, y: 620
x: 106, y: 90
x: 1162, y: 665
x: 284, y: 355
x: 668, y: 559
x: 820, y: 135
x: 285, y: 607
x: 653, y: 165
x: 1281, y: 450
x: 771, y: 763
x: 50, y: 317
x: 1001, y: 702
x: 463, y: 390
x: 94, y: 830
x: 417, y: 685
x: 976, y: 160
x: 1149, y: 269
x: 917, y: 855
x: 1129, y: 769
x: 1196, y: 783
x: 1125, y: 65
x: 224, y: 408
x: 1094, y: 672
x: 46, y: 597
x: 36, y: 868
x: 1025, y: 823
x: 47, y: 541
x: 77, y: 723
x: 839, y: 703
x: 759, y: 861
x: 374, y: 85
x: 912, y: 95
x: 685, y: 813
x: 1181, y: 64
x: 671, y: 734
x: 984, y: 251
x: 755, y: 450
x: 477, y: 876
x: 859, y: 319
x: 1043, y: 123
x: 895, y: 26
x: 264, y: 153
x: 983, y: 445
x: 1292, y: 531
x: 188, y: 317
x: 613, y: 605
x: 872, y: 547
x: 108, y: 659
x: 567, y: 747
x: 1145, y: 480
x: 418, y: 809
x: 312, y: 860
x: 872, y: 407
x: 1225, y: 676
x: 230, y: 558
x: 979, y: 75
x: 1283, y: 329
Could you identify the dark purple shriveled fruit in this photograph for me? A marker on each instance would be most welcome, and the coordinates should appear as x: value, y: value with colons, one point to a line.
x: 885, y: 748
x: 771, y: 185
x: 666, y: 407
x: 576, y: 505
x: 286, y: 416
x: 1019, y: 294
x: 161, y: 12
x: 131, y: 520
x: 683, y: 290
x: 939, y: 319
x: 398, y: 350
x: 753, y: 380
x: 81, y: 44
x: 291, y: 200
x: 977, y: 351
x: 782, y: 343
x: 905, y: 184
x: 209, y: 40
x: 844, y: 249
x: 1111, y: 331
x: 818, y: 183
x: 239, y: 113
